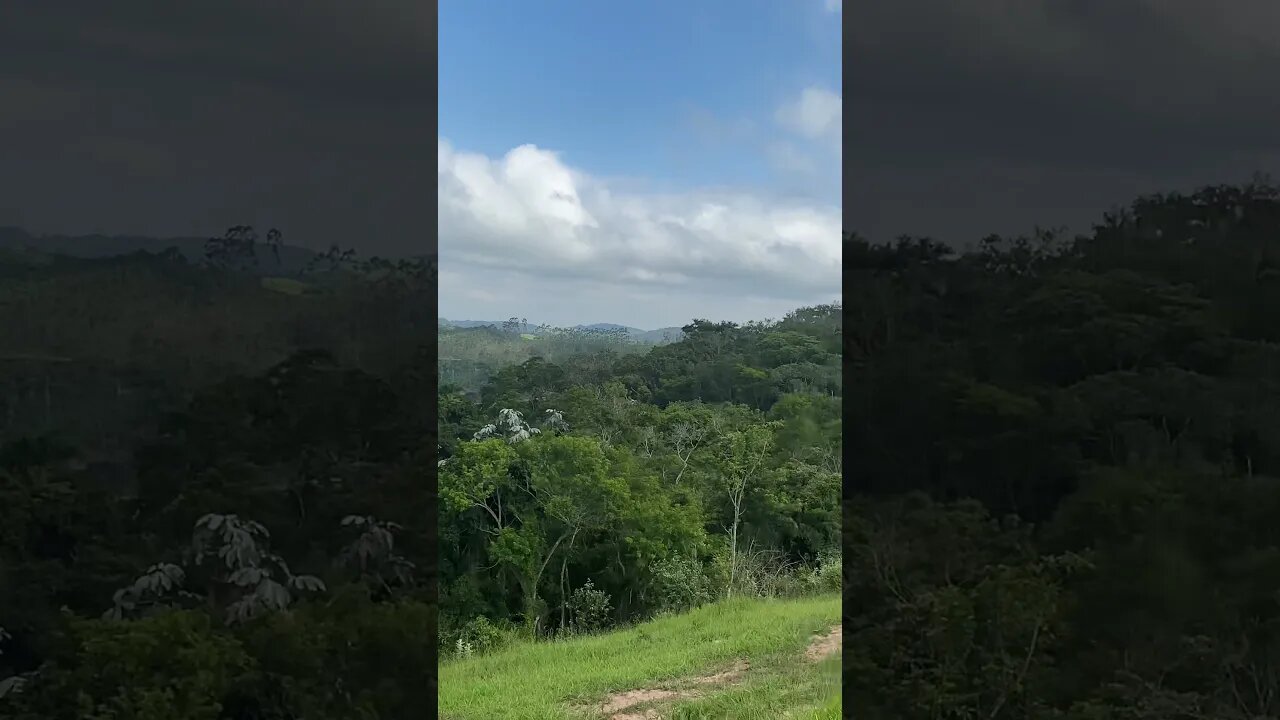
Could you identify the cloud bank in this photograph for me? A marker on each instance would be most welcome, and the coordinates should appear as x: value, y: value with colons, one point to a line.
x: 529, y: 213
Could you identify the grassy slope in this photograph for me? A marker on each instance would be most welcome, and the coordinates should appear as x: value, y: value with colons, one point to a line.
x: 544, y: 681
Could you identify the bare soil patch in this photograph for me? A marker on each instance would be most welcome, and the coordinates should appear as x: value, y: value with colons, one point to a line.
x: 638, y: 704
x: 626, y: 705
x: 826, y: 645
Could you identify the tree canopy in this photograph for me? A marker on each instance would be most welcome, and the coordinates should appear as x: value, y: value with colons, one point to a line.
x: 1063, y: 468
x: 653, y: 481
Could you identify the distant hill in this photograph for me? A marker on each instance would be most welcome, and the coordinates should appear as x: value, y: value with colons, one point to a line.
x: 659, y: 336
x: 17, y: 244
x: 470, y: 323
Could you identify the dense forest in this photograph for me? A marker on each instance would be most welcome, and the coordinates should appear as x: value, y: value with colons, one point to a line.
x: 1064, y: 475
x: 1060, y: 497
x: 609, y: 485
x: 215, y: 480
x: 469, y: 356
x: 214, y: 485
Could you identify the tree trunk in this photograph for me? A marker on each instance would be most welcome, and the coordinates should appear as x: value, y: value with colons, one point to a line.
x: 733, y: 556
x: 733, y: 545
x: 529, y: 585
x: 564, y: 600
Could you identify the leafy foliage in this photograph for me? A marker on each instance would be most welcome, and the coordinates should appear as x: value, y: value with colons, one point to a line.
x: 589, y: 608
x: 228, y: 456
x: 652, y: 484
x: 182, y: 448
x: 1063, y: 504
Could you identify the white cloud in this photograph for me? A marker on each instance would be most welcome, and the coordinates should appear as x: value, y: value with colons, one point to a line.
x: 529, y: 214
x: 813, y: 120
x: 833, y: 6
x: 791, y: 159
x: 817, y: 115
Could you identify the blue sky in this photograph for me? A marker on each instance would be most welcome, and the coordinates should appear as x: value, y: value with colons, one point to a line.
x: 651, y: 115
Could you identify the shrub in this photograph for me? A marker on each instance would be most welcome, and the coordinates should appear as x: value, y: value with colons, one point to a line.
x: 351, y: 659
x: 680, y: 584
x: 170, y: 664
x: 589, y: 608
x: 766, y: 573
x: 482, y: 635
x: 828, y: 572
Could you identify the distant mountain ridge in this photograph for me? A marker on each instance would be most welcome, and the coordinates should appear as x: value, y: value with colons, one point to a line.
x: 16, y: 242
x: 661, y: 335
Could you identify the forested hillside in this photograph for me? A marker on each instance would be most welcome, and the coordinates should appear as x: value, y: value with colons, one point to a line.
x: 212, y: 499
x: 1065, y: 472
x: 96, y: 349
x: 469, y: 356
x: 212, y: 488
x: 604, y: 488
x: 15, y: 241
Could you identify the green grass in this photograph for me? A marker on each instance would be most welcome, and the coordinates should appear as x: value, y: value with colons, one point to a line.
x: 546, y: 681
x: 774, y: 691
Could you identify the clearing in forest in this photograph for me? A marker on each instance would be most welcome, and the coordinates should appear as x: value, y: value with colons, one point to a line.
x: 738, y: 659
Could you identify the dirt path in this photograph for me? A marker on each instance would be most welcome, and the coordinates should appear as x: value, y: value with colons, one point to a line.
x: 625, y: 705
x: 826, y: 645
x: 621, y: 706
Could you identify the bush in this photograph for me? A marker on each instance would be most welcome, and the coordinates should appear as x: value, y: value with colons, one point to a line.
x: 482, y: 635
x: 172, y: 664
x: 348, y: 658
x: 589, y: 608
x: 769, y: 573
x: 823, y: 576
x: 829, y: 572
x: 766, y: 573
x: 680, y: 584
